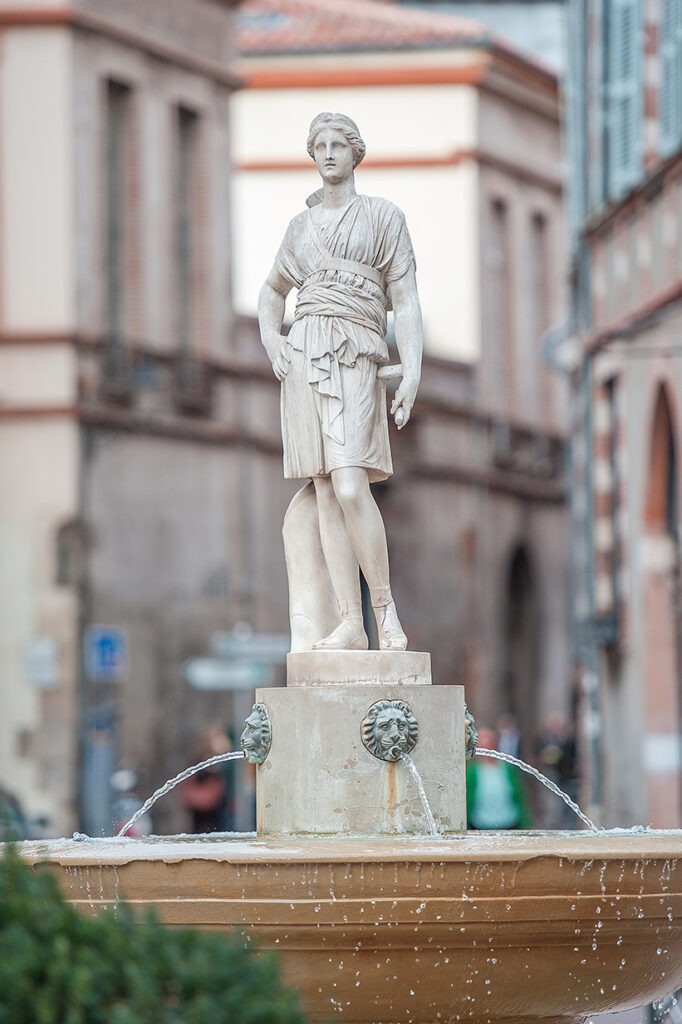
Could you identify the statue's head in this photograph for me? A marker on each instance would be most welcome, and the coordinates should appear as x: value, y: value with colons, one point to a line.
x: 340, y: 123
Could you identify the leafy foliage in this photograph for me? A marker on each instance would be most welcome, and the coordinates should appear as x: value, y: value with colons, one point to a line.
x: 60, y: 967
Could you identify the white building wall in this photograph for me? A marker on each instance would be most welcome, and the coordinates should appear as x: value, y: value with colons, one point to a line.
x: 38, y: 453
x: 38, y: 492
x: 394, y: 121
x: 441, y: 208
x: 36, y: 208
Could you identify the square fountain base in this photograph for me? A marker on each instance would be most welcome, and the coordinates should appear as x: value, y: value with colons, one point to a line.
x: 320, y: 778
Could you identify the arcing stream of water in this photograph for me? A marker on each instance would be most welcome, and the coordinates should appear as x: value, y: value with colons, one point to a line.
x: 172, y: 783
x: 433, y: 830
x: 483, y: 752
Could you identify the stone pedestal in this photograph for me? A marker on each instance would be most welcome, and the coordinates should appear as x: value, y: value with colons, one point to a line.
x: 320, y: 778
x: 393, y: 668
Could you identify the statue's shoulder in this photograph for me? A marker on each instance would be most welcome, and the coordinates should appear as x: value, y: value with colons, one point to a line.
x: 298, y: 225
x: 300, y: 219
x: 383, y: 207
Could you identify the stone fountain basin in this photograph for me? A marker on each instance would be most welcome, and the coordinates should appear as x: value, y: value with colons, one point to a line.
x: 474, y: 927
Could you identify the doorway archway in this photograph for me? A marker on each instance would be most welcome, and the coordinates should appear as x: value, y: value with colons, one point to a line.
x: 521, y: 646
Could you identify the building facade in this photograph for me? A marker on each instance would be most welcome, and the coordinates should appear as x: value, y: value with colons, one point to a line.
x: 140, y: 456
x: 625, y: 108
x: 138, y: 421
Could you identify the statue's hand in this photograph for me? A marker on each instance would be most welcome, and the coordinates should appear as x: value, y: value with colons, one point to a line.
x: 401, y: 406
x: 282, y: 358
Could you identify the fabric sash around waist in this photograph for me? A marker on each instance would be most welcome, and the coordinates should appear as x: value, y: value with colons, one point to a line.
x: 331, y: 299
x: 351, y: 267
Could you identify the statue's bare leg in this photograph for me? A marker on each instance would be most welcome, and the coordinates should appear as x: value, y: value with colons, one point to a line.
x: 368, y: 541
x: 343, y: 572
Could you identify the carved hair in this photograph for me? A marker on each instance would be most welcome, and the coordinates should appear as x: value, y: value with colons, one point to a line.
x: 340, y: 123
x: 372, y: 741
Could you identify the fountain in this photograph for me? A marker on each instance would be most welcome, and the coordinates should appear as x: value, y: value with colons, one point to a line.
x: 361, y: 874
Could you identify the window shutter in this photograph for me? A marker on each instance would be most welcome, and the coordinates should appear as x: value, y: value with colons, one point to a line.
x: 671, y: 76
x: 624, y: 90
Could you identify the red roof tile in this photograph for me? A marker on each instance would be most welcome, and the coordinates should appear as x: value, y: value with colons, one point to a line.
x: 333, y: 26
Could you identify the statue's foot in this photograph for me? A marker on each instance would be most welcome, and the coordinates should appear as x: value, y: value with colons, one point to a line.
x: 390, y: 632
x: 349, y: 635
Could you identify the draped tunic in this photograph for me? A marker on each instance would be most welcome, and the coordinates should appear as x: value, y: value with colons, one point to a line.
x: 333, y: 407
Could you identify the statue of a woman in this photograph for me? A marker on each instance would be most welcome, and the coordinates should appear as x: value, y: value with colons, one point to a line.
x: 351, y: 259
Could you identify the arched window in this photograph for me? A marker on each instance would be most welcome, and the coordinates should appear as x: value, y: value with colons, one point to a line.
x: 661, y: 502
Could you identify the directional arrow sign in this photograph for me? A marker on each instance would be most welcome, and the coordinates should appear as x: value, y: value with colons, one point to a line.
x: 272, y: 647
x: 106, y: 656
x: 214, y: 674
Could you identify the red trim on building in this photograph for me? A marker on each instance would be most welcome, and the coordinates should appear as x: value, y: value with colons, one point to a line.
x: 410, y: 160
x: 352, y: 77
x: 36, y: 17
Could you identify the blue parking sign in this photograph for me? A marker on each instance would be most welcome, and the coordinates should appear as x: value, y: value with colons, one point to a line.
x: 105, y: 654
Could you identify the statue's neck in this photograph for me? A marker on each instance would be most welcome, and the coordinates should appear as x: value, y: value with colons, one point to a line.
x: 337, y: 194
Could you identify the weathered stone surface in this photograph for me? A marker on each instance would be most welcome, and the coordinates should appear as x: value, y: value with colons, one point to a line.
x: 480, y: 927
x: 319, y: 778
x: 391, y: 668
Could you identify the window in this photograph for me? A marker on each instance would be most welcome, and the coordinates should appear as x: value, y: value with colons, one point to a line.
x: 679, y: 222
x: 499, y: 306
x: 671, y: 76
x: 118, y: 100
x: 633, y: 259
x: 185, y: 224
x: 611, y: 396
x: 540, y: 274
x: 609, y: 272
x: 661, y: 502
x: 657, y: 242
x: 624, y: 40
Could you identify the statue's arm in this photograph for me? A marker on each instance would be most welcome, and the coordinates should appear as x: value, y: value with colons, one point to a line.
x: 409, y: 336
x: 271, y: 304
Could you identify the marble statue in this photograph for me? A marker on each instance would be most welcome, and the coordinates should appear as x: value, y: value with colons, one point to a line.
x: 351, y: 259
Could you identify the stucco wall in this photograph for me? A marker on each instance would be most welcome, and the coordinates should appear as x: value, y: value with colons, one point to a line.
x: 36, y: 209
x: 38, y: 493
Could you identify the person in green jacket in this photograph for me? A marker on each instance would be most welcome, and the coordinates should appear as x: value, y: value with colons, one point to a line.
x: 496, y: 795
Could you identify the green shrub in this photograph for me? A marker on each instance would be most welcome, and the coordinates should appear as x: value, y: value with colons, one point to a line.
x: 60, y: 967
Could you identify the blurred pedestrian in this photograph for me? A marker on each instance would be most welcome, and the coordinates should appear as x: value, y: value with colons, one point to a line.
x: 208, y: 795
x: 496, y: 793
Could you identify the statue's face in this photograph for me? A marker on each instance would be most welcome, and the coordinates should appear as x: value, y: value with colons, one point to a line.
x: 391, y: 729
x: 333, y: 155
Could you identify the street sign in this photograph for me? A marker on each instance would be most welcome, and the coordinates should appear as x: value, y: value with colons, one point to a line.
x: 105, y: 653
x: 214, y: 674
x: 268, y: 647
